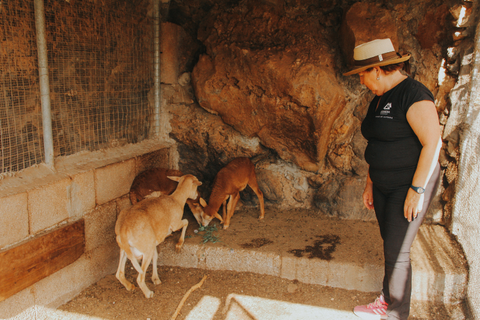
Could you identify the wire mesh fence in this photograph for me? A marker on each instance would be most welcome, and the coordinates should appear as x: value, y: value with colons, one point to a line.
x: 20, y: 112
x: 100, y: 74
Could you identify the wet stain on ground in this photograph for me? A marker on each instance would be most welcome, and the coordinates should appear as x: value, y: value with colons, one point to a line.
x: 256, y: 243
x: 322, y: 248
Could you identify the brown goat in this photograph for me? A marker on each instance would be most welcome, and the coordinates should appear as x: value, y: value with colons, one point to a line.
x: 155, y: 181
x: 228, y: 183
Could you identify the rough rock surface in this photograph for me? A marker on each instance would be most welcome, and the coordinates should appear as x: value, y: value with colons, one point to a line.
x: 268, y: 85
x: 271, y: 75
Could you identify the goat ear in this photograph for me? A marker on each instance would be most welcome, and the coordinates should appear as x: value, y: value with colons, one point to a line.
x: 203, y: 203
x: 218, y: 216
x: 174, y: 178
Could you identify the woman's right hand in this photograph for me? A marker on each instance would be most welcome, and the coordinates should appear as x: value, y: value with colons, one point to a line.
x: 368, y: 194
x: 368, y: 197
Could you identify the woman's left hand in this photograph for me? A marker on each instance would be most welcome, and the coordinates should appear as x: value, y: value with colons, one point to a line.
x: 413, y: 205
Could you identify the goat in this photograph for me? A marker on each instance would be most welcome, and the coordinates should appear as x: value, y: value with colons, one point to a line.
x: 228, y: 183
x: 151, y: 182
x: 142, y: 227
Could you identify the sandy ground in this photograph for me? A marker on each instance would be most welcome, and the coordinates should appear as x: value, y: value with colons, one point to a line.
x: 108, y: 299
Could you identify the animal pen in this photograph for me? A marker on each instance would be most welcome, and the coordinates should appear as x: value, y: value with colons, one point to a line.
x: 77, y: 79
x: 81, y: 114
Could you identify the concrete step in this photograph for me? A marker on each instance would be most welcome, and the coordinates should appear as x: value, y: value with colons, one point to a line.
x: 297, y: 244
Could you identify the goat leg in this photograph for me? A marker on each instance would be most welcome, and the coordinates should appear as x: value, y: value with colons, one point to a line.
x: 147, y: 258
x: 183, y: 224
x: 254, y: 185
x: 121, y: 271
x: 155, y: 278
x: 225, y: 208
x: 231, y: 209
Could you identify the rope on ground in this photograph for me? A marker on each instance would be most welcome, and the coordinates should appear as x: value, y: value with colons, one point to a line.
x: 180, y: 305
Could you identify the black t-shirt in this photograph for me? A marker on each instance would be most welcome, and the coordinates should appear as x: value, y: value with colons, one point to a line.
x: 393, y: 148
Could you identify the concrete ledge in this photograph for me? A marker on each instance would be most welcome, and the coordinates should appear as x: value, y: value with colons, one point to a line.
x: 334, y: 274
x: 41, y: 175
x: 243, y: 261
x: 312, y: 271
x: 440, y: 272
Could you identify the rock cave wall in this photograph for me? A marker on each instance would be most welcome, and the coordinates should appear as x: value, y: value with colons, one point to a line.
x: 263, y: 79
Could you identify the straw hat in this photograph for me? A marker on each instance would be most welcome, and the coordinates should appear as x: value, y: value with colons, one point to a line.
x: 375, y: 53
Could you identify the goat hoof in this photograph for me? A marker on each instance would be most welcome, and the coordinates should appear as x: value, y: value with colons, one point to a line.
x: 128, y: 285
x: 148, y: 295
x: 178, y: 248
x: 225, y: 226
x: 156, y: 281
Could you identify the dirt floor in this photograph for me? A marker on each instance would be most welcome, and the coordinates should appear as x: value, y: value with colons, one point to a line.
x: 108, y: 299
x: 304, y: 235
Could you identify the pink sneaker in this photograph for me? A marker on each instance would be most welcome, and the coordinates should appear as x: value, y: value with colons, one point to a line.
x: 374, y: 311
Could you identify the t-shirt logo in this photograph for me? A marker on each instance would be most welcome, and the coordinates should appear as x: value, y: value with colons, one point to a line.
x: 386, y: 109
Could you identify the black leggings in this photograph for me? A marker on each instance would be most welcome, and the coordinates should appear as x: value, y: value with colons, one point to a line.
x: 398, y: 235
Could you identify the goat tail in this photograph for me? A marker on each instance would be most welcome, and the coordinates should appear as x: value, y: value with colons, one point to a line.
x: 135, y: 263
x: 125, y: 246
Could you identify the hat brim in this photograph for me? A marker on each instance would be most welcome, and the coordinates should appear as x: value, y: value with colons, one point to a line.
x: 405, y: 57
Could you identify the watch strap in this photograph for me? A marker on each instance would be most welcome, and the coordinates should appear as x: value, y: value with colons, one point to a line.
x: 418, y: 190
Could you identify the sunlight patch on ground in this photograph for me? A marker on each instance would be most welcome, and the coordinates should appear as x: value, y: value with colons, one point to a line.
x: 240, y: 307
x: 205, y: 309
x: 237, y: 307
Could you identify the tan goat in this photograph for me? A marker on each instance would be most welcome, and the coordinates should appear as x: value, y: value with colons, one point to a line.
x: 228, y: 183
x: 152, y: 182
x: 142, y: 227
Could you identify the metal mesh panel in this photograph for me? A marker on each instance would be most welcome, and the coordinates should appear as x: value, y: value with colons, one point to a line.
x: 20, y: 113
x: 100, y: 73
x: 100, y: 76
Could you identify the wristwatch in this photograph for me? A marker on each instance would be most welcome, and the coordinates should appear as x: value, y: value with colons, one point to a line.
x: 418, y: 190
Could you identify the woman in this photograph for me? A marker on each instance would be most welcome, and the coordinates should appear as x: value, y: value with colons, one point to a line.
x: 403, y: 134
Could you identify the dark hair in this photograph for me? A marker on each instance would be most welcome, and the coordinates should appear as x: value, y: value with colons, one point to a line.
x: 405, y: 66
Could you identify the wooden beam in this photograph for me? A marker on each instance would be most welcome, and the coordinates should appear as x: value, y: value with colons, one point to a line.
x: 30, y: 262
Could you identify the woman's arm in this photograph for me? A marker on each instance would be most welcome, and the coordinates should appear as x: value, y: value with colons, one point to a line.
x: 422, y: 117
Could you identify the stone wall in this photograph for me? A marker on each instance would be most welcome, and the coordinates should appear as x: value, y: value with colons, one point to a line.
x: 463, y: 125
x: 92, y: 186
